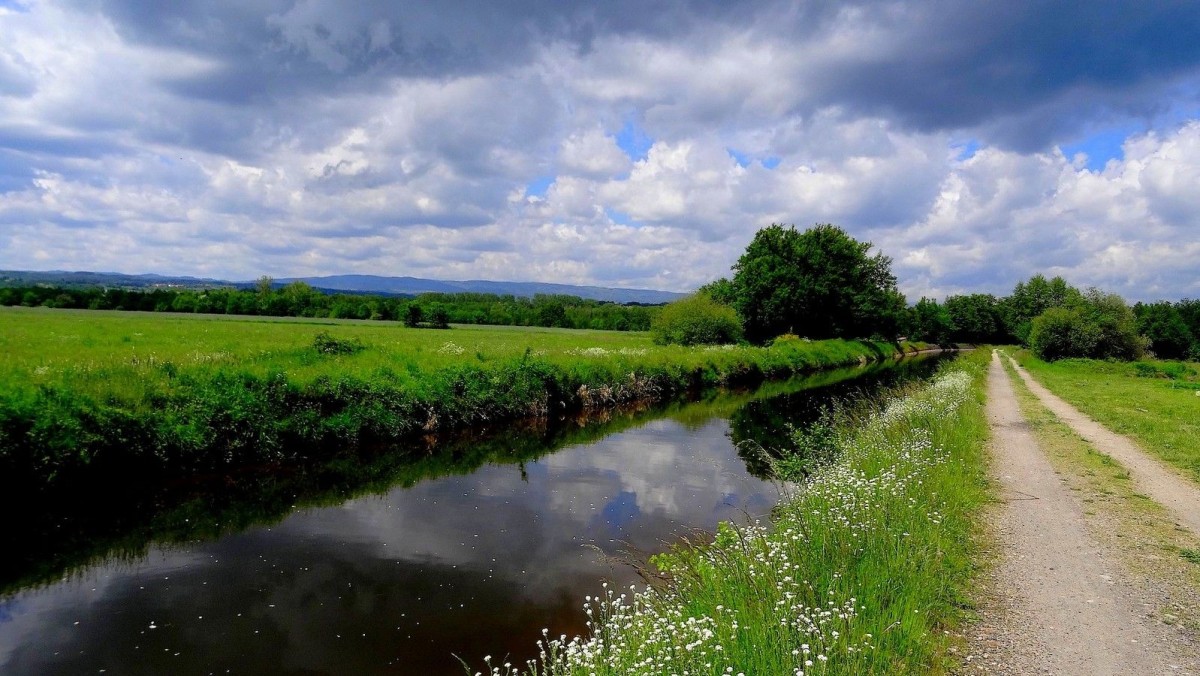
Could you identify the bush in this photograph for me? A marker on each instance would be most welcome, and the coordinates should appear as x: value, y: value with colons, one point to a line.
x: 439, y: 318
x: 1058, y: 333
x: 696, y: 320
x: 327, y: 344
x: 1102, y: 327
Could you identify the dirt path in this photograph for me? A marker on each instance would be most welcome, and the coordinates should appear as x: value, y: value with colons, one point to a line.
x: 1067, y: 610
x: 1179, y: 495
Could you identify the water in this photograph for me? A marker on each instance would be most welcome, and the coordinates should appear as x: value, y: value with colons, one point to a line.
x: 474, y: 562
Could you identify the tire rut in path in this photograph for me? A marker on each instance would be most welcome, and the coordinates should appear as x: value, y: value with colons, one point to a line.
x: 1180, y: 496
x: 1069, y: 611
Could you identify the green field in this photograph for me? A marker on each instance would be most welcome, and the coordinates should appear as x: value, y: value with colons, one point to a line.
x: 128, y: 354
x: 1156, y: 403
x: 87, y: 392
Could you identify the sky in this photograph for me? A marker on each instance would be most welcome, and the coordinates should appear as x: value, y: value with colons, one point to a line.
x: 613, y: 143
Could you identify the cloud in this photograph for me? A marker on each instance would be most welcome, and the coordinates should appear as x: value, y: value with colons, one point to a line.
x: 304, y: 137
x: 1002, y: 216
x: 591, y: 153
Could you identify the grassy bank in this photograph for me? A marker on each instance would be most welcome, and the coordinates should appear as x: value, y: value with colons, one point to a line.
x: 100, y: 521
x: 87, y: 394
x: 1155, y: 402
x: 860, y: 571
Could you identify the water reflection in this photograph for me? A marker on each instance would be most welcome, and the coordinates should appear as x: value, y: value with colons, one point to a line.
x: 399, y: 582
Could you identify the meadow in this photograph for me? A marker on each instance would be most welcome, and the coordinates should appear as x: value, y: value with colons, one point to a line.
x: 863, y: 569
x: 94, y: 393
x: 1157, y: 403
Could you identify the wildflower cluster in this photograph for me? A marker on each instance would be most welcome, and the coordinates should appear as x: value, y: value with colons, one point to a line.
x: 602, y: 352
x: 842, y: 581
x: 451, y: 348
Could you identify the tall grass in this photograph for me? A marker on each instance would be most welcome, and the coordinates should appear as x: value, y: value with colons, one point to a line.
x: 860, y: 571
x: 108, y: 394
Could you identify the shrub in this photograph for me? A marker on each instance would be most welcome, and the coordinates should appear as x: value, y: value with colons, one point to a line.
x: 413, y: 316
x: 327, y: 344
x: 1102, y: 327
x: 1059, y: 333
x: 439, y: 318
x: 696, y: 320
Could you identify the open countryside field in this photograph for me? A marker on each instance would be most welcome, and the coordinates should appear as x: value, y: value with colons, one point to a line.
x: 1157, y: 403
x: 89, y: 392
x: 130, y: 355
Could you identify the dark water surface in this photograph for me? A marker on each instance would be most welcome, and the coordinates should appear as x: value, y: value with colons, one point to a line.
x: 475, y: 562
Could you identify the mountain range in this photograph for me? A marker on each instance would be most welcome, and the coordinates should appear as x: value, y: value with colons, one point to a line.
x: 401, y: 286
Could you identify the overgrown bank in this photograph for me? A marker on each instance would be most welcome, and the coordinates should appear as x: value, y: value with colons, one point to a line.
x: 861, y: 570
x: 125, y: 412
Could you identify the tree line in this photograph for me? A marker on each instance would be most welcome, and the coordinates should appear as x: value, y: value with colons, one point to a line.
x: 299, y: 299
x: 822, y: 283
x: 1057, y: 320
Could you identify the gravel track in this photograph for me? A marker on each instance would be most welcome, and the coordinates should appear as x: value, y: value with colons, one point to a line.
x: 1060, y: 603
x: 1179, y: 495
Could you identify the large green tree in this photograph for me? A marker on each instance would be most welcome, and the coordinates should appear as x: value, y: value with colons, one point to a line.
x: 1170, y: 337
x: 976, y: 318
x: 1030, y: 299
x: 820, y: 283
x: 928, y: 321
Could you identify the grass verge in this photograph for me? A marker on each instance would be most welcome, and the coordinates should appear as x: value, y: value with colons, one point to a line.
x: 90, y: 395
x: 863, y: 569
x: 1160, y: 555
x: 1155, y: 402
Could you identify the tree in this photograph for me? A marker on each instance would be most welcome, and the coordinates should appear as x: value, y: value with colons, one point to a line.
x: 413, y: 316
x: 975, y: 318
x: 696, y: 320
x: 1116, y: 326
x: 1170, y: 337
x: 263, y: 285
x: 928, y: 321
x: 439, y: 318
x: 300, y: 299
x: 821, y: 283
x: 1101, y: 326
x: 721, y: 290
x: 1189, y: 311
x: 551, y: 312
x: 1032, y: 298
x: 1059, y: 332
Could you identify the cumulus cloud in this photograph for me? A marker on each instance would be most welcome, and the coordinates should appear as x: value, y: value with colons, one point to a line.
x: 591, y: 153
x: 600, y: 143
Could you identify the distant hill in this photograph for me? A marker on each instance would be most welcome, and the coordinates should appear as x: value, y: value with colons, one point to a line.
x: 65, y: 278
x: 406, y: 286
x: 415, y: 285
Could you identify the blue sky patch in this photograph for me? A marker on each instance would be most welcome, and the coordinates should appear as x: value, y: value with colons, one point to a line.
x: 1102, y: 147
x: 967, y: 149
x: 745, y: 160
x: 634, y: 141
x: 618, y: 217
x: 538, y: 186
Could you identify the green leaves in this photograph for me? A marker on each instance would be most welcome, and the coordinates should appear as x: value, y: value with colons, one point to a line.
x: 818, y: 284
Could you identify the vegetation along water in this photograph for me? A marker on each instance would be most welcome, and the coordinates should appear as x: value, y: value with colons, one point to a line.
x: 860, y: 570
x: 394, y: 559
x: 86, y: 396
